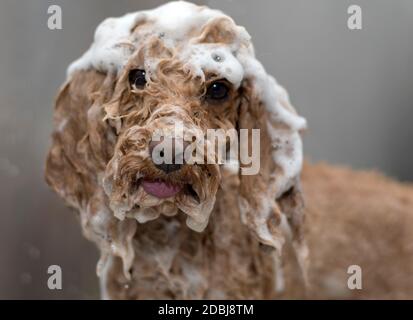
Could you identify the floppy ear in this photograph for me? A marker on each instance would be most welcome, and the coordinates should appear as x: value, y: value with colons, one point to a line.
x: 82, y: 144
x: 77, y: 132
x: 272, y: 194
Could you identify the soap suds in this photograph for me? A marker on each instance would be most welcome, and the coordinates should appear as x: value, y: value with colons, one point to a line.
x: 113, y: 42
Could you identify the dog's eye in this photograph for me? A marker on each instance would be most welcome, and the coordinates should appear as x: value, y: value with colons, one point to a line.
x: 137, y: 78
x: 217, y: 90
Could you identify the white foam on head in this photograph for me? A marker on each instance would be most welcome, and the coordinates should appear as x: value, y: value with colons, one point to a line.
x: 216, y: 59
x: 176, y: 19
x: 113, y: 45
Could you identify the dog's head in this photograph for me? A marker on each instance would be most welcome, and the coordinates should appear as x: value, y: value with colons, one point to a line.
x: 152, y: 84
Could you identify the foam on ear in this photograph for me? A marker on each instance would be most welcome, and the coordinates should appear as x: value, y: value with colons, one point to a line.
x: 266, y: 106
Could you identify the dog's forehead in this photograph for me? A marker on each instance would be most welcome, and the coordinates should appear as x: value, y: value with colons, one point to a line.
x: 206, y: 38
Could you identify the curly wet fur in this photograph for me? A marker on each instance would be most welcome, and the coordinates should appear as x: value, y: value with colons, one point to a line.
x: 100, y: 151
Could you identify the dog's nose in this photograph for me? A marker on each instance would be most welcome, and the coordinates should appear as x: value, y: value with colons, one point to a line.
x: 168, y: 168
x: 165, y: 157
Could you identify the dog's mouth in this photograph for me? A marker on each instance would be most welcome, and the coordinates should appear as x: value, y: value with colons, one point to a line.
x: 148, y: 197
x: 137, y: 190
x: 162, y: 189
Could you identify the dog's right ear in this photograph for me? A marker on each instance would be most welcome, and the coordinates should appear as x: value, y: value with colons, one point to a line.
x: 78, y: 141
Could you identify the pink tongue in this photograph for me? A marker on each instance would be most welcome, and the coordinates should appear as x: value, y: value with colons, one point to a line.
x: 160, y: 189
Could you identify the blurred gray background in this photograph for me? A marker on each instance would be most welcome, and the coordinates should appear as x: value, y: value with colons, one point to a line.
x: 354, y: 87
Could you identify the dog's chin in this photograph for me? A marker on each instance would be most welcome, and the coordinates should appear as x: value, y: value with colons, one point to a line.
x: 152, y: 198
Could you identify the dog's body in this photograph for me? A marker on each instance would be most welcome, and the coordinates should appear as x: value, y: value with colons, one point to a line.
x: 206, y: 230
x: 353, y: 218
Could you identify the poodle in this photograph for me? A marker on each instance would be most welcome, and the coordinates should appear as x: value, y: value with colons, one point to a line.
x: 226, y: 219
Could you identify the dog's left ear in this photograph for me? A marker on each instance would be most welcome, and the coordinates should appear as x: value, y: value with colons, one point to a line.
x: 271, y: 192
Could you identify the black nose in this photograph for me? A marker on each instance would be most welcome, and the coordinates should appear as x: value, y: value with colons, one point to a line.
x: 174, y: 165
x: 167, y: 168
